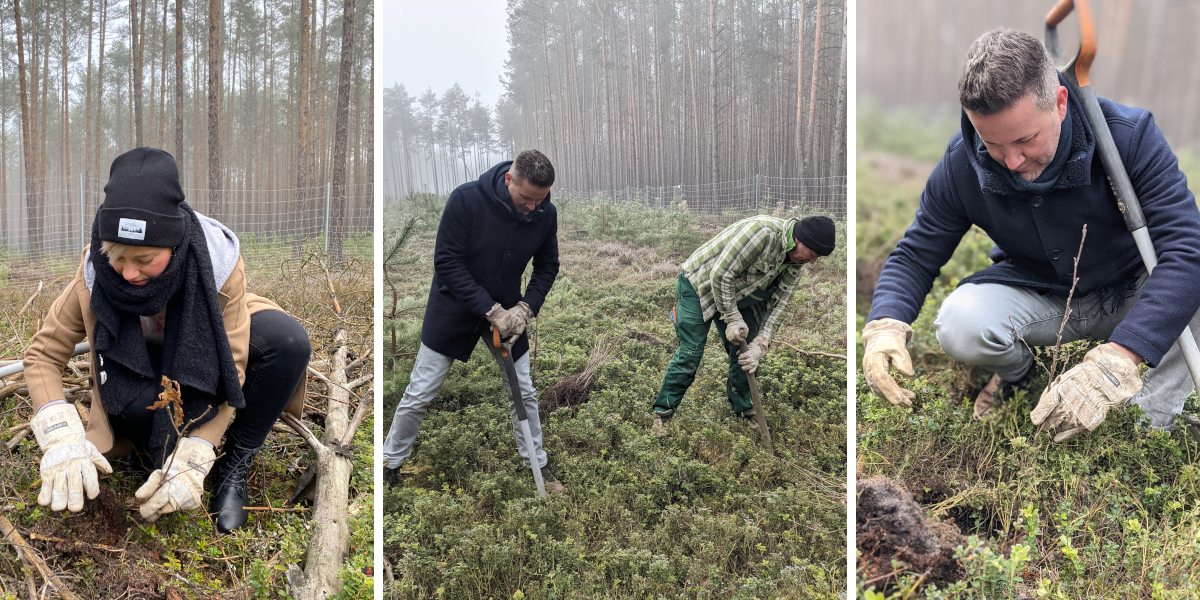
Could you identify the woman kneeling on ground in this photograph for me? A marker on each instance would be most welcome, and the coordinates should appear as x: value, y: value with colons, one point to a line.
x: 161, y: 294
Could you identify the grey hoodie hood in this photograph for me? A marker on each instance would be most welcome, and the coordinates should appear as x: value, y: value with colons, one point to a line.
x: 223, y: 249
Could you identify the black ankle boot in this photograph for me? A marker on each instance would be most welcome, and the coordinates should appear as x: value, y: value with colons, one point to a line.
x: 228, y: 503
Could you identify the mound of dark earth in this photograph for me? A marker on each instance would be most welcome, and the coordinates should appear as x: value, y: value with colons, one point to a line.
x: 892, y: 526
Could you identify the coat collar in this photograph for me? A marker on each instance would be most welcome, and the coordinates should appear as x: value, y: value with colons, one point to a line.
x: 1076, y: 173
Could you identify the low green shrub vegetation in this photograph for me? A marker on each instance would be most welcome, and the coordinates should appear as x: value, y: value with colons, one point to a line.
x: 1109, y: 514
x: 704, y: 512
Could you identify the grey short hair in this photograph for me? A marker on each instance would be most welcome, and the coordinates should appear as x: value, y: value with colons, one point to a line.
x: 534, y: 167
x: 1003, y: 66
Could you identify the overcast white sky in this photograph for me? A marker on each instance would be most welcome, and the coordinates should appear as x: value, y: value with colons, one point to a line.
x: 436, y: 44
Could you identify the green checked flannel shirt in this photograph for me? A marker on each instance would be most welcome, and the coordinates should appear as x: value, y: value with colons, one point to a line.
x: 740, y: 261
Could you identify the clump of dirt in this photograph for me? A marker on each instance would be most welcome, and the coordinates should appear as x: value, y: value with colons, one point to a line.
x: 866, y: 276
x: 893, y: 527
x: 102, y: 521
x: 95, y: 538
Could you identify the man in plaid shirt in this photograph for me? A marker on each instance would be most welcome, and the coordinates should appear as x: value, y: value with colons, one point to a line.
x: 743, y: 279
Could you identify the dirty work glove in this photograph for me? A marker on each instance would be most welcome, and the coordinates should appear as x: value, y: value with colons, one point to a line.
x: 179, y: 484
x: 525, y: 314
x: 69, y: 461
x: 736, y: 331
x: 753, y: 352
x: 508, y: 322
x: 886, y: 340
x: 1080, y: 398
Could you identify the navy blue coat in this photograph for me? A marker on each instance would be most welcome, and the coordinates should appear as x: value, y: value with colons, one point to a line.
x: 483, y: 246
x: 1037, y: 237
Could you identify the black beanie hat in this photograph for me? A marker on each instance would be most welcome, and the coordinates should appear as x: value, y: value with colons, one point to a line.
x: 141, y: 200
x: 817, y: 233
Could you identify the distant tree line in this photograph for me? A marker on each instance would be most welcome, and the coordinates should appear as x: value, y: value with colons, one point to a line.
x: 642, y: 93
x: 246, y: 94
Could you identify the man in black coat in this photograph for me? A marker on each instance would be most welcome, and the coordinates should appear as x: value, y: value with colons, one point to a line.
x: 1025, y: 170
x: 490, y: 229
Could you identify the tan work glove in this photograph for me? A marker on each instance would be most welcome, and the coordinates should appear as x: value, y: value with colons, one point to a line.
x: 736, y: 329
x: 886, y: 340
x: 753, y: 352
x: 179, y: 484
x: 1080, y: 398
x: 69, y: 461
x: 510, y: 323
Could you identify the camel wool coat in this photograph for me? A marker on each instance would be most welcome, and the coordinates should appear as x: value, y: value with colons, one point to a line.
x: 70, y: 320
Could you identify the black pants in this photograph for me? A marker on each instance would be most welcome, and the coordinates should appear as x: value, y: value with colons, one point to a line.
x: 279, y: 352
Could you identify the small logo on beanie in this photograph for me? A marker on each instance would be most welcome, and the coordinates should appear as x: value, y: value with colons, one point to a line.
x: 132, y: 229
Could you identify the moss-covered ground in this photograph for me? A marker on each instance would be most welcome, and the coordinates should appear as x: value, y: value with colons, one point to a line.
x: 704, y: 512
x: 1109, y: 514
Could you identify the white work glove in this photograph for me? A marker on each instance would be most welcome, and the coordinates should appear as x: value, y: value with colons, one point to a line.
x: 510, y: 323
x: 753, y: 352
x: 69, y: 461
x: 1080, y: 398
x: 179, y: 484
x: 736, y: 329
x: 886, y: 341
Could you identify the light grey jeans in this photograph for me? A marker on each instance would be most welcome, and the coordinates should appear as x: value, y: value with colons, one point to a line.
x: 428, y: 374
x: 978, y: 324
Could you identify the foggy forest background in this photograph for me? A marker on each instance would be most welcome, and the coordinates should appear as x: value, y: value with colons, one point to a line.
x: 260, y: 101
x: 636, y: 93
x: 910, y: 55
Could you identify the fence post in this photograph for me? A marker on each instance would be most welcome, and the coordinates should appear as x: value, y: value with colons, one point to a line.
x: 82, y: 240
x: 756, y: 179
x: 328, y: 188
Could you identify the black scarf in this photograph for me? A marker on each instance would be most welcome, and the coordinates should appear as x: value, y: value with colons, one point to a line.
x: 1049, y: 177
x: 196, y: 350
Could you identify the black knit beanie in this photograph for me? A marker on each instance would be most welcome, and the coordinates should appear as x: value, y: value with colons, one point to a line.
x: 816, y: 233
x: 141, y: 200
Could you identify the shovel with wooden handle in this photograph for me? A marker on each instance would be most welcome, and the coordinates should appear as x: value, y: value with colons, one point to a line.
x: 503, y: 355
x: 1076, y: 74
x: 758, y: 409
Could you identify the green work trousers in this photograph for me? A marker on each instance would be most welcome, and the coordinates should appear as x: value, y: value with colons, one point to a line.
x: 692, y: 331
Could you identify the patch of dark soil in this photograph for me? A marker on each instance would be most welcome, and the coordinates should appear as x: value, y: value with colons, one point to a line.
x: 570, y: 393
x: 102, y: 521
x: 891, y: 526
x: 92, y: 543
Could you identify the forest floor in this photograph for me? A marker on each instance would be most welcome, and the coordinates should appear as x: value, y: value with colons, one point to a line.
x: 110, y: 551
x: 1111, y: 513
x: 705, y: 512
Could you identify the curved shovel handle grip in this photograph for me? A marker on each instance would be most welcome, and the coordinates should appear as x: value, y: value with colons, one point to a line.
x: 1059, y: 12
x: 496, y: 341
x: 1087, y: 34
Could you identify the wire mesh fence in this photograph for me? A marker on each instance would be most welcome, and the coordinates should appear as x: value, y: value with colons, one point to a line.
x: 41, y: 241
x: 758, y: 194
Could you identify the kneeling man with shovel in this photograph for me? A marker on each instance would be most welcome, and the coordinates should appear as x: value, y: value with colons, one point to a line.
x: 490, y: 230
x: 1029, y: 168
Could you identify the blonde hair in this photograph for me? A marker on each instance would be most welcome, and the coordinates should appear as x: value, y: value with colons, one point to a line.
x: 113, y: 250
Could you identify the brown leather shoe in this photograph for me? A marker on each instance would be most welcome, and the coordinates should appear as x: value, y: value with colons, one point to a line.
x: 987, y: 398
x: 551, y: 482
x: 997, y: 391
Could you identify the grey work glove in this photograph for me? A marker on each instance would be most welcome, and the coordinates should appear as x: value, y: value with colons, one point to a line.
x: 1080, y: 398
x: 69, y: 461
x: 179, y: 484
x: 736, y: 330
x: 511, y: 322
x: 885, y: 341
x: 753, y: 352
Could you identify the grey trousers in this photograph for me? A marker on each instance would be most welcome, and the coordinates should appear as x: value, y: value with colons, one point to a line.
x: 978, y: 324
x: 428, y: 374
